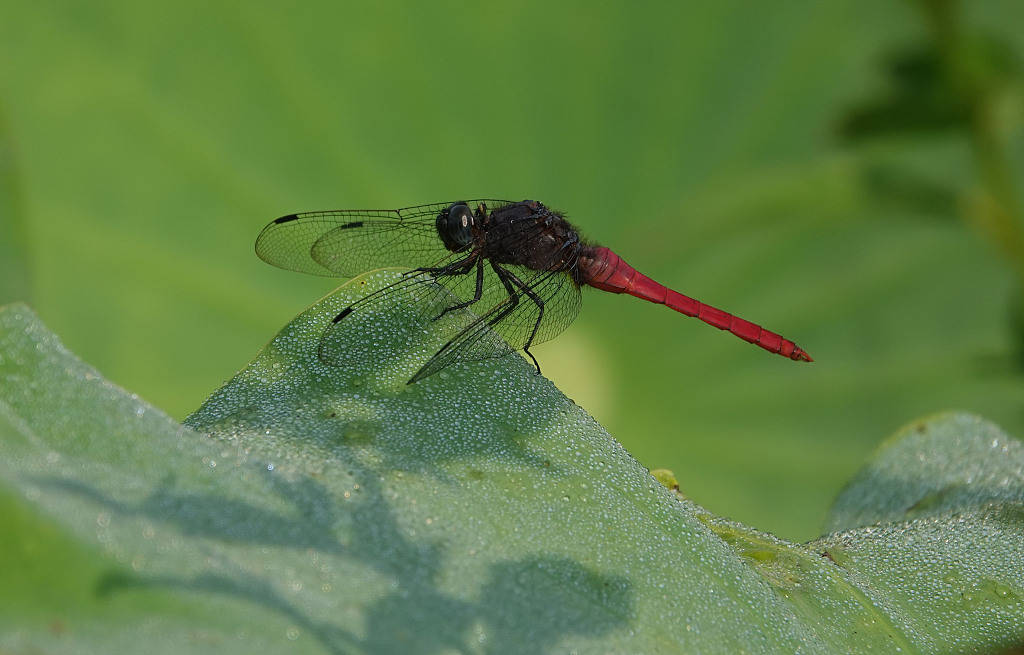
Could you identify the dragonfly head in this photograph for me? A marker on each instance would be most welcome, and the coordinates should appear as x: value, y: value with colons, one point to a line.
x: 455, y: 226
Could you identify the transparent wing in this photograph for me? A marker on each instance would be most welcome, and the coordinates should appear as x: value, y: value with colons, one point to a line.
x: 541, y: 305
x: 346, y: 242
x: 426, y: 296
x: 488, y: 308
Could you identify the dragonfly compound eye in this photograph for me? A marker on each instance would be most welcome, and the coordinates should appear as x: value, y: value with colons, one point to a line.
x: 454, y: 226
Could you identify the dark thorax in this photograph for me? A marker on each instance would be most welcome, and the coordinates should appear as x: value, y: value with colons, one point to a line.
x: 529, y: 234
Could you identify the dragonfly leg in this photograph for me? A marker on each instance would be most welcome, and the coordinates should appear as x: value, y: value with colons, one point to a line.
x: 513, y: 295
x: 476, y: 295
x: 511, y: 281
x: 529, y: 293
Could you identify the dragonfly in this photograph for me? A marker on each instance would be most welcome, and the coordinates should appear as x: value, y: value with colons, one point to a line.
x: 517, y: 267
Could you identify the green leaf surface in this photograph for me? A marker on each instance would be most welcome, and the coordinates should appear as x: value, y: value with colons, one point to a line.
x: 697, y: 139
x: 952, y: 582
x: 480, y: 511
x: 947, y: 463
x: 949, y: 489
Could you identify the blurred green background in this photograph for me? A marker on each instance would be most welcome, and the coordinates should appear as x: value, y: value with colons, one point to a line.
x: 845, y: 173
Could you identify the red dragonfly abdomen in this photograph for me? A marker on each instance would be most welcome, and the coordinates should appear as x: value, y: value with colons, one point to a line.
x: 603, y: 269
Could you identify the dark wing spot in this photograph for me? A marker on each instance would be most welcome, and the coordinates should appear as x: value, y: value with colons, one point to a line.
x: 345, y: 226
x: 345, y: 312
x: 285, y: 219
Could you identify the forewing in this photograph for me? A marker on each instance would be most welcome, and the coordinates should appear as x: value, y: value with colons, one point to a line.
x: 347, y: 242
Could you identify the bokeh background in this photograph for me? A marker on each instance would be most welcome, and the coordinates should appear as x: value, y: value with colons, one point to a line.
x: 846, y: 173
